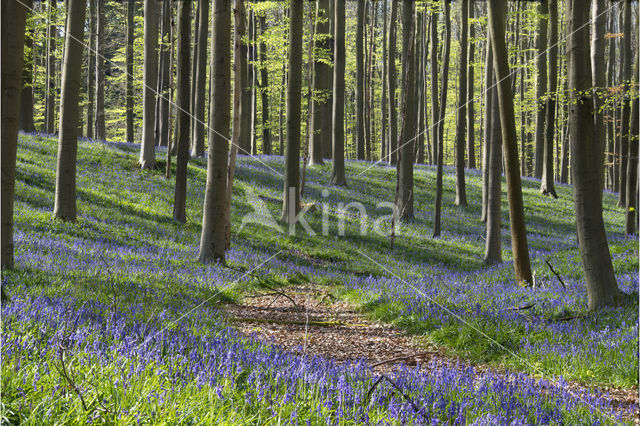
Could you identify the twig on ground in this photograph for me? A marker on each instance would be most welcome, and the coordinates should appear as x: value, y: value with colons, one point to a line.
x: 294, y: 322
x: 407, y: 397
x: 555, y: 273
x: 372, y: 388
x: 400, y: 358
x: 521, y: 308
x: 278, y: 291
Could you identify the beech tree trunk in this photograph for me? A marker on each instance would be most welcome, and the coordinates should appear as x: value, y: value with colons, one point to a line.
x: 461, y: 190
x: 360, y: 80
x: 320, y: 135
x: 26, y: 103
x: 587, y: 157
x: 183, y: 120
x: 337, y: 166
x: 65, y: 197
x: 165, y: 79
x: 50, y: 84
x: 213, y: 237
x: 383, y: 107
x: 244, y: 145
x: 291, y: 197
x: 91, y: 79
x: 521, y: 262
x: 541, y: 85
x: 200, y: 77
x: 14, y: 16
x: 100, y: 133
x: 471, y: 143
x: 632, y: 158
x: 493, y: 245
x: 264, y: 87
x: 131, y: 11
x: 444, y: 74
x: 391, y: 84
x: 435, y: 107
x: 547, y: 186
x: 407, y: 133
x: 626, y: 106
x: 489, y: 118
x: 147, y: 148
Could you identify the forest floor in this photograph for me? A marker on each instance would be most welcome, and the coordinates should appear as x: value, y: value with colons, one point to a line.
x: 111, y: 319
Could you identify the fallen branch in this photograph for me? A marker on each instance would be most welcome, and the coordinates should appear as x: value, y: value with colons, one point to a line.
x: 521, y: 308
x: 555, y: 273
x: 280, y: 292
x: 407, y: 397
x: 294, y: 322
x: 568, y: 318
x: 400, y: 358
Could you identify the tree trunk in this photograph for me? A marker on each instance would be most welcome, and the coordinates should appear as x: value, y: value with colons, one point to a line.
x: 321, y: 85
x: 100, y: 133
x: 253, y: 81
x: 213, y: 237
x: 611, y: 62
x: 547, y: 185
x: 626, y: 106
x: 383, y: 107
x: 291, y: 197
x: 491, y: 114
x: 166, y: 59
x: 587, y: 157
x: 131, y: 11
x: 337, y: 167
x: 147, y: 148
x: 65, y: 197
x: 471, y: 148
x: 264, y: 87
x: 632, y: 158
x: 461, y: 190
x: 14, y: 16
x: 91, y: 79
x: 407, y: 133
x: 200, y: 77
x: 50, y: 84
x: 493, y: 245
x: 244, y: 144
x: 435, y: 108
x: 444, y: 75
x: 183, y: 120
x: 360, y: 80
x: 26, y: 103
x: 519, y: 246
x: 419, y: 78
x: 541, y: 85
x: 391, y: 85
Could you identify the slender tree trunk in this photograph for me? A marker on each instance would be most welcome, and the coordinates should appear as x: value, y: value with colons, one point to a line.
x: 14, y: 15
x: 383, y: 107
x: 598, y: 26
x: 166, y: 60
x: 183, y: 120
x: 50, y: 84
x: 493, y: 245
x: 147, y: 148
x: 253, y: 79
x: 131, y: 11
x: 321, y: 85
x: 489, y: 117
x: 264, y: 89
x: 541, y: 85
x: 91, y: 80
x: 65, y: 197
x: 587, y: 157
x: 368, y: 94
x: 626, y: 106
x: 391, y: 84
x: 100, y: 133
x: 461, y: 190
x: 519, y: 245
x: 327, y: 124
x: 291, y: 197
x: 547, y: 185
x: 471, y: 143
x: 26, y: 103
x: 407, y: 133
x: 200, y: 79
x: 360, y: 80
x: 632, y: 158
x: 435, y: 108
x: 337, y: 167
x: 419, y: 76
x: 213, y: 238
x: 611, y: 62
x: 441, y: 117
x: 281, y: 101
x: 245, y: 139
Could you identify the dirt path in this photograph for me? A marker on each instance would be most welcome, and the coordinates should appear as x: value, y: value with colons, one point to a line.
x: 307, y: 319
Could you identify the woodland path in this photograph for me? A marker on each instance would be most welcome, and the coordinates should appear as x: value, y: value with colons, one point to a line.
x: 308, y: 319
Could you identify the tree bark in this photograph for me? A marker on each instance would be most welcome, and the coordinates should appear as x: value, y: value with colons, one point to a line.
x: 131, y: 11
x: 461, y: 190
x: 493, y: 245
x: 200, y: 77
x: 264, y: 89
x: 521, y: 262
x: 587, y: 156
x: 471, y: 148
x: 100, y: 133
x: 319, y: 134
x: 360, y: 80
x: 147, y: 148
x: 435, y: 108
x: 547, y: 186
x: 491, y: 114
x: 244, y: 145
x: 541, y: 85
x: 337, y: 166
x: 407, y: 133
x: 91, y: 79
x: 183, y: 119
x: 50, y: 85
x: 213, y: 237
x: 166, y: 59
x: 632, y: 158
x: 444, y: 75
x: 65, y: 197
x: 626, y: 106
x: 291, y: 197
x: 383, y: 107
x: 391, y: 85
x: 14, y: 15
x: 26, y: 103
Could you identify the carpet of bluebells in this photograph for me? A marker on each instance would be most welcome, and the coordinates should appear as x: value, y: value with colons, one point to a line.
x: 111, y: 319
